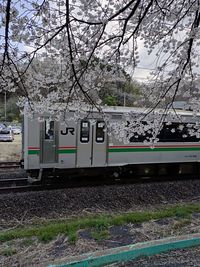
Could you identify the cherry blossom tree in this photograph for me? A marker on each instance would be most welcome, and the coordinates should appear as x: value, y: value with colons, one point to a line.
x: 74, y: 33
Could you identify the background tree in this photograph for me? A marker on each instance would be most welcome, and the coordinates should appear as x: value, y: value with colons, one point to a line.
x: 12, y: 110
x: 121, y: 93
x: 70, y: 32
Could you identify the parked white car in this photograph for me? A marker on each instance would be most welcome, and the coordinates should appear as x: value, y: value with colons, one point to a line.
x: 16, y: 129
x: 2, y: 126
x: 6, y: 135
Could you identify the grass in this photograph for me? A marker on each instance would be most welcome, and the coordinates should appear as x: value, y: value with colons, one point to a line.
x: 99, y: 224
x: 100, y: 234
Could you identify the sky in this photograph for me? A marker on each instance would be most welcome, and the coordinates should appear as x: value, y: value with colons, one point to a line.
x: 146, y: 65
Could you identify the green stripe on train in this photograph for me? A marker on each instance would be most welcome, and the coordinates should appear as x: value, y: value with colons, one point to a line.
x: 67, y: 151
x: 34, y: 152
x: 63, y: 151
x: 111, y: 150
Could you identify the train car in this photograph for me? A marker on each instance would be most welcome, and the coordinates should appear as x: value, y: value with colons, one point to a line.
x: 52, y: 147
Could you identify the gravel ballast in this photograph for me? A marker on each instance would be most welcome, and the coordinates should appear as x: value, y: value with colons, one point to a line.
x: 110, y: 198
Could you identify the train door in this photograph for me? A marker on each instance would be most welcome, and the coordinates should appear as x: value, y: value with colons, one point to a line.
x: 99, y: 149
x: 91, y: 144
x: 48, y: 141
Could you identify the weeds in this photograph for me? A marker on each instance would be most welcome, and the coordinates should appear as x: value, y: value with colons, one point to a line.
x: 98, y: 223
x: 100, y: 234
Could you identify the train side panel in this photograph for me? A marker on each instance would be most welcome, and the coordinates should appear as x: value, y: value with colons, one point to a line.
x: 86, y: 145
x: 67, y: 148
x: 42, y: 152
x: 132, y: 153
x: 139, y: 153
x: 31, y: 143
x: 120, y: 154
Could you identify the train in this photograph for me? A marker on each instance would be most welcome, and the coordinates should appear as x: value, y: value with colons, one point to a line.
x: 68, y: 147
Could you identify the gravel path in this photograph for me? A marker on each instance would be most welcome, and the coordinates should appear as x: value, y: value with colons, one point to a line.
x: 110, y: 198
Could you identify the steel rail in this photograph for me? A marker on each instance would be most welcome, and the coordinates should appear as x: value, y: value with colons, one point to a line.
x: 18, y: 189
x: 21, y: 183
x: 14, y: 181
x: 9, y: 164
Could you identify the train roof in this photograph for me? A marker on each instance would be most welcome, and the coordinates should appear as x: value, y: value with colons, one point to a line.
x: 120, y: 109
x: 137, y: 110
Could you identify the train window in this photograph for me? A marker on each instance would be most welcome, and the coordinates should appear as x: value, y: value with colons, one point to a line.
x: 170, y: 133
x: 140, y: 137
x: 137, y: 138
x: 116, y: 116
x: 49, y: 129
x: 186, y: 135
x: 174, y: 132
x: 100, y: 134
x: 85, y: 131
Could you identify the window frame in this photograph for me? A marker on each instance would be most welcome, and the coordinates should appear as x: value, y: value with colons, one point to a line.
x: 103, y: 128
x: 81, y: 132
x: 46, y: 129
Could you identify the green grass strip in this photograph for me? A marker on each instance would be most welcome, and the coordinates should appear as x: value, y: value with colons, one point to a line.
x: 49, y: 231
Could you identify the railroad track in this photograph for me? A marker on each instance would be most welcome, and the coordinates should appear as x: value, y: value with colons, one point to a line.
x: 9, y: 164
x: 8, y: 185
x: 16, y: 185
x: 18, y: 189
x: 13, y: 182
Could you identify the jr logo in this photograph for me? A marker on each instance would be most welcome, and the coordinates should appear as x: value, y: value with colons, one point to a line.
x: 68, y: 130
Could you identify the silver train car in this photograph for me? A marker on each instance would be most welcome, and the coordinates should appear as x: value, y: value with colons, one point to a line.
x: 53, y: 147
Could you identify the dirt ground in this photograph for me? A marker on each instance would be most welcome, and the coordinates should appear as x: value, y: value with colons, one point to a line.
x: 11, y: 151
